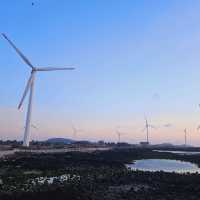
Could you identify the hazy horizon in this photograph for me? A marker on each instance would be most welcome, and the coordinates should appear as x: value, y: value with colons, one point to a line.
x: 132, y: 58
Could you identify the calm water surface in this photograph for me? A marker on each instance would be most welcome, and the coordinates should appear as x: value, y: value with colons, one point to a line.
x: 180, y: 152
x: 164, y: 165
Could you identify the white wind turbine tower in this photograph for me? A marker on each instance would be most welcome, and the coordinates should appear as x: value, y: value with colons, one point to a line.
x: 147, y: 126
x: 185, y: 132
x: 30, y: 87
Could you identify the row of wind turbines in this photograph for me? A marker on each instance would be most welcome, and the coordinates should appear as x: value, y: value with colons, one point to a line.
x: 147, y: 128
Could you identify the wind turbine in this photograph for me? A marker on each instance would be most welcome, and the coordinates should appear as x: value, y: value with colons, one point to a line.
x: 75, y: 131
x: 33, y: 126
x: 147, y: 126
x: 30, y: 88
x: 185, y: 131
x: 119, y: 136
x: 119, y: 133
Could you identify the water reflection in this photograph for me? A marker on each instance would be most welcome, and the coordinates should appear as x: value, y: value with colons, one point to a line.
x: 164, y: 165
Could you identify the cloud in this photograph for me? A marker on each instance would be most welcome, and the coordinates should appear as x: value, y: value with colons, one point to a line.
x: 156, y: 96
x: 168, y: 125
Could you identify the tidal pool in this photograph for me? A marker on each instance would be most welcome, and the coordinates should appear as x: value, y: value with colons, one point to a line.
x: 165, y: 165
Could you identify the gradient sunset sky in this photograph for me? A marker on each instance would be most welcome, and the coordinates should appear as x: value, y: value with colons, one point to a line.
x: 132, y: 58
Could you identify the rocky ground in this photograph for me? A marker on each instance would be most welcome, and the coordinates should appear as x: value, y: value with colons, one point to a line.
x: 93, y: 176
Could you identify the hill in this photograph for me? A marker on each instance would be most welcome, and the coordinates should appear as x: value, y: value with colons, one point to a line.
x: 60, y: 140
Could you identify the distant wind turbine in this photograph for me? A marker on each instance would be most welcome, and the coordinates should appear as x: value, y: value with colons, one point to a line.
x: 147, y: 126
x: 34, y: 129
x: 30, y: 87
x: 75, y: 131
x: 33, y: 126
x: 185, y: 132
x: 119, y: 134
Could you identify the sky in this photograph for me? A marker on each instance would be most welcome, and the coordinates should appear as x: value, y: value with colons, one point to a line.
x: 133, y: 59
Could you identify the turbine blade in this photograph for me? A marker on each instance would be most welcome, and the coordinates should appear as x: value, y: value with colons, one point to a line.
x: 25, y: 91
x: 18, y: 52
x: 151, y: 126
x: 34, y: 126
x: 54, y: 68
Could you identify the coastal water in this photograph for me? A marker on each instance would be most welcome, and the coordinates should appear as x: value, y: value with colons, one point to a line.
x: 179, y: 152
x: 165, y: 165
